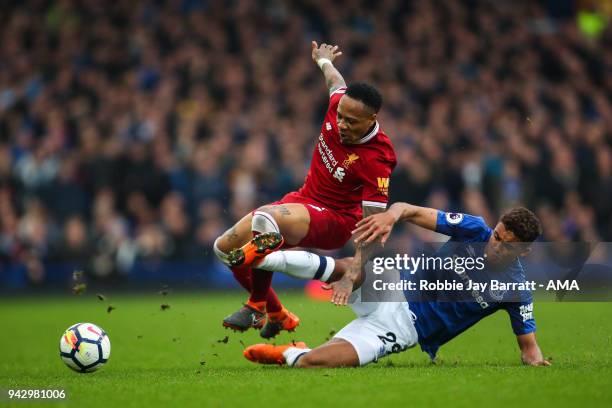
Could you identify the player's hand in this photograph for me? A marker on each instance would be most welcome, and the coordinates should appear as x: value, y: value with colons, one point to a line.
x: 342, y: 289
x: 324, y: 51
x: 534, y: 358
x: 537, y: 363
x: 373, y: 227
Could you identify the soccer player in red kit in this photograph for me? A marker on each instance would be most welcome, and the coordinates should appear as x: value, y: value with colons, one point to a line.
x: 348, y: 179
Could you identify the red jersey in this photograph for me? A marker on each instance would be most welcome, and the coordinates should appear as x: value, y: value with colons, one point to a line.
x: 345, y: 177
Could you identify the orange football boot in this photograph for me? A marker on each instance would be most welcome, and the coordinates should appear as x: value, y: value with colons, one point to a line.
x: 277, y: 321
x: 268, y: 353
x: 257, y: 248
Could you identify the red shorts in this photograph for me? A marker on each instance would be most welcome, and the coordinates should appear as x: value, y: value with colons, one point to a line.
x: 328, y: 229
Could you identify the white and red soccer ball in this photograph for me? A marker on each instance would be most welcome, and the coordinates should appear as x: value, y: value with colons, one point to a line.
x: 85, y: 347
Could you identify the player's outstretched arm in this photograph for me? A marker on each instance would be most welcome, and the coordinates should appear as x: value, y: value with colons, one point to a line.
x: 323, y: 56
x: 343, y: 287
x: 380, y: 225
x: 530, y: 351
x: 352, y: 276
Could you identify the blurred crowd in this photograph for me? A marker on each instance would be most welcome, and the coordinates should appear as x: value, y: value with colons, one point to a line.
x: 143, y: 129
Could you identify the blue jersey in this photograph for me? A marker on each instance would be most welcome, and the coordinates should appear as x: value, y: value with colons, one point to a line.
x: 438, y: 322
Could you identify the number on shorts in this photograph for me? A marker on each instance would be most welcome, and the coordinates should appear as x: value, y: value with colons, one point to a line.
x: 391, y: 338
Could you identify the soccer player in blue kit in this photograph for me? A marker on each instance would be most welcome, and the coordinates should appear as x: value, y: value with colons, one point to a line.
x: 382, y: 328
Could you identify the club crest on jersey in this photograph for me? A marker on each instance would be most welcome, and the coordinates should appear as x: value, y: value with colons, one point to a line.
x: 497, y: 295
x: 328, y: 126
x: 352, y: 158
x: 454, y: 218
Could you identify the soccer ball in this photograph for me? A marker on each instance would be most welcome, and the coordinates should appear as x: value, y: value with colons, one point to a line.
x: 85, y: 347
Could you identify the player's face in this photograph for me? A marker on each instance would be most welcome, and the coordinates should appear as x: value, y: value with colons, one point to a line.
x: 354, y: 120
x: 503, y: 246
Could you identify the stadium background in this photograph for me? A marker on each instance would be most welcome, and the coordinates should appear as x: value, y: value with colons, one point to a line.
x: 134, y: 133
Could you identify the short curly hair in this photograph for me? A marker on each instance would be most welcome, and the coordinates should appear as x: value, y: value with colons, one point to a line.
x: 523, y: 223
x: 365, y: 93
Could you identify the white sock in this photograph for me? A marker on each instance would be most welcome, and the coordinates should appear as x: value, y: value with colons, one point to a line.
x: 263, y: 222
x: 299, y: 264
x: 293, y: 353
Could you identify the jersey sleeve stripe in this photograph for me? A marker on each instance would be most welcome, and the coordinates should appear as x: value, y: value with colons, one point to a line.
x: 374, y: 204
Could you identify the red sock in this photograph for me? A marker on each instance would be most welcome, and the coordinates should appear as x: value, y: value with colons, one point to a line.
x: 273, y: 302
x: 262, y: 290
x: 244, y: 277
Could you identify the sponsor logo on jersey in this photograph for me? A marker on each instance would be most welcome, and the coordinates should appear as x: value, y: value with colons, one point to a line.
x: 327, y: 155
x: 526, y: 312
x: 339, y: 174
x: 383, y: 185
x: 454, y: 218
x: 352, y: 158
x: 475, y: 293
x: 328, y: 126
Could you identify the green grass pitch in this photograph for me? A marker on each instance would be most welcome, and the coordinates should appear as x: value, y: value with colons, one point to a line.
x: 179, y: 357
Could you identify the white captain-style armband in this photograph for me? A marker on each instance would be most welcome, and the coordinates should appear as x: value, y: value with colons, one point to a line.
x: 323, y: 61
